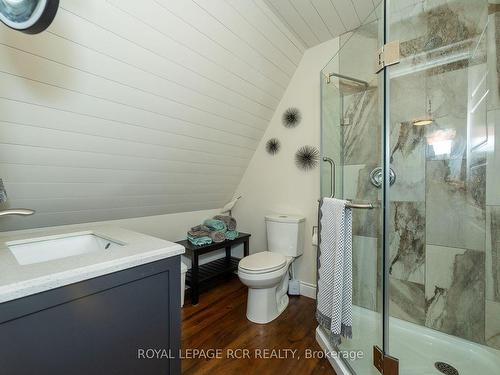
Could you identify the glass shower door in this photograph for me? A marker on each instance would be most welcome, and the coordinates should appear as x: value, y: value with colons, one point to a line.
x: 426, y: 262
x: 444, y: 225
x: 352, y: 135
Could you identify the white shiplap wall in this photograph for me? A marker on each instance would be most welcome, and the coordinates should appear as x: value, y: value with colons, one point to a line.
x: 126, y: 108
x: 316, y: 21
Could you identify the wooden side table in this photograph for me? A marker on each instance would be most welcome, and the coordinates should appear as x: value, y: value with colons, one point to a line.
x: 199, y: 274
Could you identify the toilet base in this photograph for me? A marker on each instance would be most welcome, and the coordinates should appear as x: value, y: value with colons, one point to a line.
x: 266, y: 304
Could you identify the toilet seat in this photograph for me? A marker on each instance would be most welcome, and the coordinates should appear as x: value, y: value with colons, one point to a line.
x: 262, y: 262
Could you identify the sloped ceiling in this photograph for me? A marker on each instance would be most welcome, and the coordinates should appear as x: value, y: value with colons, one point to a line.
x: 316, y: 21
x: 127, y: 108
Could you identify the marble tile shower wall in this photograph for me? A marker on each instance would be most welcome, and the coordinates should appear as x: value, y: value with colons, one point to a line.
x: 492, y: 310
x: 445, y: 210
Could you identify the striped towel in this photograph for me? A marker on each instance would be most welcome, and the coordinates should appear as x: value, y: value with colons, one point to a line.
x: 334, y: 300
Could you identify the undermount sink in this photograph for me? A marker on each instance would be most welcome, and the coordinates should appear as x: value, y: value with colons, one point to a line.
x: 42, y: 249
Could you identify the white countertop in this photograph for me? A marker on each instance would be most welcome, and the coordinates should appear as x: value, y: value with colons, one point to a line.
x: 18, y: 281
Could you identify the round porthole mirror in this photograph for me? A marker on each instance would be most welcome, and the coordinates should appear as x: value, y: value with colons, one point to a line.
x: 28, y: 16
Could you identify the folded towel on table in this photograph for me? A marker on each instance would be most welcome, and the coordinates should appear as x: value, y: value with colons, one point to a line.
x: 217, y: 225
x: 201, y: 227
x: 199, y: 241
x: 232, y: 234
x: 334, y: 301
x: 217, y: 236
x: 228, y: 220
x: 198, y: 233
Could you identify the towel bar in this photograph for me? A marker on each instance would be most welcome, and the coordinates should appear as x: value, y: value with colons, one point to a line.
x: 364, y: 206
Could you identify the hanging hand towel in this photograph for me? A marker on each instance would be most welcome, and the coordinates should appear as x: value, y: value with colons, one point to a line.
x: 334, y: 300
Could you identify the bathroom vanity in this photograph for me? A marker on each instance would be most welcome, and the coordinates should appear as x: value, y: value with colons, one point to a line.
x: 95, y: 311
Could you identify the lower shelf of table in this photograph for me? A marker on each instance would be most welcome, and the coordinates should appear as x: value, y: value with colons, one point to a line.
x: 213, y: 269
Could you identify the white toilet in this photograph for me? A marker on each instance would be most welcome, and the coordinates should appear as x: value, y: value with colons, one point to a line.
x: 266, y: 273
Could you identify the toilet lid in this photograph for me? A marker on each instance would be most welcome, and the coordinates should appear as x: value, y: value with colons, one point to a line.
x: 265, y: 261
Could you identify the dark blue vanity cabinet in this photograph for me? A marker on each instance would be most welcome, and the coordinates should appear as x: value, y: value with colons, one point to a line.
x: 97, y: 326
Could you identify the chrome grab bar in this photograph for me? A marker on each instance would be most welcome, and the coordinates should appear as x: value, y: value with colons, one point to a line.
x: 17, y: 211
x: 366, y: 206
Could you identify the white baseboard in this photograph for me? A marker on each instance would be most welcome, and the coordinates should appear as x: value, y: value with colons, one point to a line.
x: 307, y: 290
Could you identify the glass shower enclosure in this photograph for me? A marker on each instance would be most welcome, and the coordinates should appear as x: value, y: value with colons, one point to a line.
x: 419, y: 140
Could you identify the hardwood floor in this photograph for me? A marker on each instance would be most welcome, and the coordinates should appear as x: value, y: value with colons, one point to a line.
x: 219, y: 322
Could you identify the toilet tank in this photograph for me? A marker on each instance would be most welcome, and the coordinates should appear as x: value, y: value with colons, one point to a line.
x: 285, y: 234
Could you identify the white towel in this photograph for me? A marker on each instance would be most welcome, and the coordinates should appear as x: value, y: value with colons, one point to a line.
x: 334, y: 299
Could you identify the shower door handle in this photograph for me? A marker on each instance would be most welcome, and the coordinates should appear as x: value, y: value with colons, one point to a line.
x: 349, y: 204
x: 332, y: 172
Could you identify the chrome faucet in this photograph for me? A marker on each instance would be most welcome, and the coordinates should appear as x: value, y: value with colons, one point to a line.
x: 12, y: 211
x: 17, y: 211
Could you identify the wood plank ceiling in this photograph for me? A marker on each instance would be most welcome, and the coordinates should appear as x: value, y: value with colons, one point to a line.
x: 127, y: 108
x: 316, y: 21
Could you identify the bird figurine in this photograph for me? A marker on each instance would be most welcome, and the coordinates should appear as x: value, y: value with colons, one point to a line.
x: 229, y: 206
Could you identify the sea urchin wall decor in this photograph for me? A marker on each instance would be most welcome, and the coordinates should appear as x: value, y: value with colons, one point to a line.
x: 273, y: 146
x: 307, y: 158
x: 291, y: 117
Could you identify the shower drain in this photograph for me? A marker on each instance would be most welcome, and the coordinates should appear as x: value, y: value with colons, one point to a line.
x: 446, y: 368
